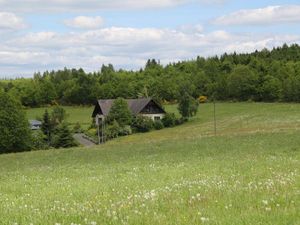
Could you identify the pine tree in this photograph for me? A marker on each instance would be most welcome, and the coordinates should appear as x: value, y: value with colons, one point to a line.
x: 63, y: 137
x: 47, y: 126
x: 120, y: 113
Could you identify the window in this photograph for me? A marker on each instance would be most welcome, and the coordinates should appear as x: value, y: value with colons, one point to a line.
x: 156, y: 118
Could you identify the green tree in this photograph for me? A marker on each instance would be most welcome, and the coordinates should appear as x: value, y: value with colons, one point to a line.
x: 270, y: 89
x: 120, y: 113
x: 187, y: 106
x: 242, y: 83
x: 58, y: 115
x: 15, y: 135
x: 47, y: 91
x: 63, y: 137
x: 47, y: 126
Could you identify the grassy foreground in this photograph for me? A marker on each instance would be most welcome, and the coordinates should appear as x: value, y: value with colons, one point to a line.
x: 248, y: 174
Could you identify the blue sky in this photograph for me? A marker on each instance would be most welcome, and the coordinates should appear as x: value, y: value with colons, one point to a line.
x: 37, y: 35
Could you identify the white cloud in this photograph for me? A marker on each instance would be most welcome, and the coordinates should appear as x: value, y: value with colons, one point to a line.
x: 127, y: 48
x: 84, y: 22
x: 9, y: 21
x: 188, y: 28
x: 262, y: 16
x: 92, y: 5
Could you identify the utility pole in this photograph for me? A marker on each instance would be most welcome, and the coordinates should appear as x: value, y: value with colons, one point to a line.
x: 215, y: 114
x: 215, y: 118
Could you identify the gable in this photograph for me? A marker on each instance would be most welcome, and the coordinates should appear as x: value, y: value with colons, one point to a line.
x: 152, y: 108
x: 97, y: 110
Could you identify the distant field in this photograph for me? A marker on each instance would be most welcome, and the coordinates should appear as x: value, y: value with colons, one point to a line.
x: 231, y: 117
x: 248, y: 174
x: 79, y: 114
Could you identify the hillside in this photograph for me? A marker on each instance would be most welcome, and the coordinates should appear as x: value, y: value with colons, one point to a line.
x: 261, y: 76
x: 248, y: 174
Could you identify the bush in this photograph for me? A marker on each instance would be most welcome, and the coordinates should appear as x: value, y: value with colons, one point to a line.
x: 202, y: 99
x: 169, y: 120
x: 38, y: 140
x: 113, y: 130
x: 180, y: 121
x: 142, y: 124
x: 124, y: 131
x: 158, y: 125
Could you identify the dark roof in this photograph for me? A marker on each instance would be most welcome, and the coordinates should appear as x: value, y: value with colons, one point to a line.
x: 135, y: 105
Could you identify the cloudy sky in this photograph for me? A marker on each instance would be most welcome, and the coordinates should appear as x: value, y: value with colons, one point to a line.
x: 37, y: 35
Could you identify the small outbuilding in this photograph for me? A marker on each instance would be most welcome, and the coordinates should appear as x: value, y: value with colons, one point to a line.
x: 142, y: 106
x: 35, y: 124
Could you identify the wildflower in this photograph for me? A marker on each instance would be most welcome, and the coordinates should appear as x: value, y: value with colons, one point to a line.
x: 204, y: 219
x: 265, y: 202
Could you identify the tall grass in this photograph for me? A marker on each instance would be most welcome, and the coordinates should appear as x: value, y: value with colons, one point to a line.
x: 248, y: 174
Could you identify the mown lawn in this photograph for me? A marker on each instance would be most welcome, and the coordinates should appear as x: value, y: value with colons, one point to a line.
x: 248, y: 174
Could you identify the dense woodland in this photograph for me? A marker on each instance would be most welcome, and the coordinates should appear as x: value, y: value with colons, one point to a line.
x: 267, y: 75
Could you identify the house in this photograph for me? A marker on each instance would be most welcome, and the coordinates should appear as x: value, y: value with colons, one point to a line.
x: 35, y: 124
x: 142, y: 106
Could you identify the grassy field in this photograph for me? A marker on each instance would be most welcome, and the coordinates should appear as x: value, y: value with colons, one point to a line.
x: 247, y: 174
x: 82, y: 115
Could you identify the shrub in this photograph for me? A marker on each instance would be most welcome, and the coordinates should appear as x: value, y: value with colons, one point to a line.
x: 169, y: 120
x: 180, y: 121
x: 38, y: 140
x: 158, y: 125
x: 202, y: 99
x: 124, y: 131
x: 142, y: 124
x: 113, y: 130
x: 91, y: 132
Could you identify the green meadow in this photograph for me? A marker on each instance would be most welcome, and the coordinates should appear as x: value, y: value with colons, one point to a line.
x: 247, y: 174
x: 78, y: 114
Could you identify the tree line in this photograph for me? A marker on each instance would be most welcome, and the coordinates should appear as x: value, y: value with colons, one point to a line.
x: 267, y: 75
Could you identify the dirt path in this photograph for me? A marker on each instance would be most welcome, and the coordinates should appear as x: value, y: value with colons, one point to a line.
x: 83, y: 140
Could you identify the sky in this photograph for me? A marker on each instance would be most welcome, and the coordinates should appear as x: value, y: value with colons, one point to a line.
x: 38, y: 35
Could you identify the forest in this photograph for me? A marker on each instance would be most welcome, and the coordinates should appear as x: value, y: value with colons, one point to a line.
x: 261, y: 76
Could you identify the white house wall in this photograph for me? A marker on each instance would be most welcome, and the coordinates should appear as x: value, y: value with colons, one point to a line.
x: 153, y: 116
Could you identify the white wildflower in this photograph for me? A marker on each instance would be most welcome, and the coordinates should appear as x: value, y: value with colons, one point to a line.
x: 265, y: 202
x: 204, y: 219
